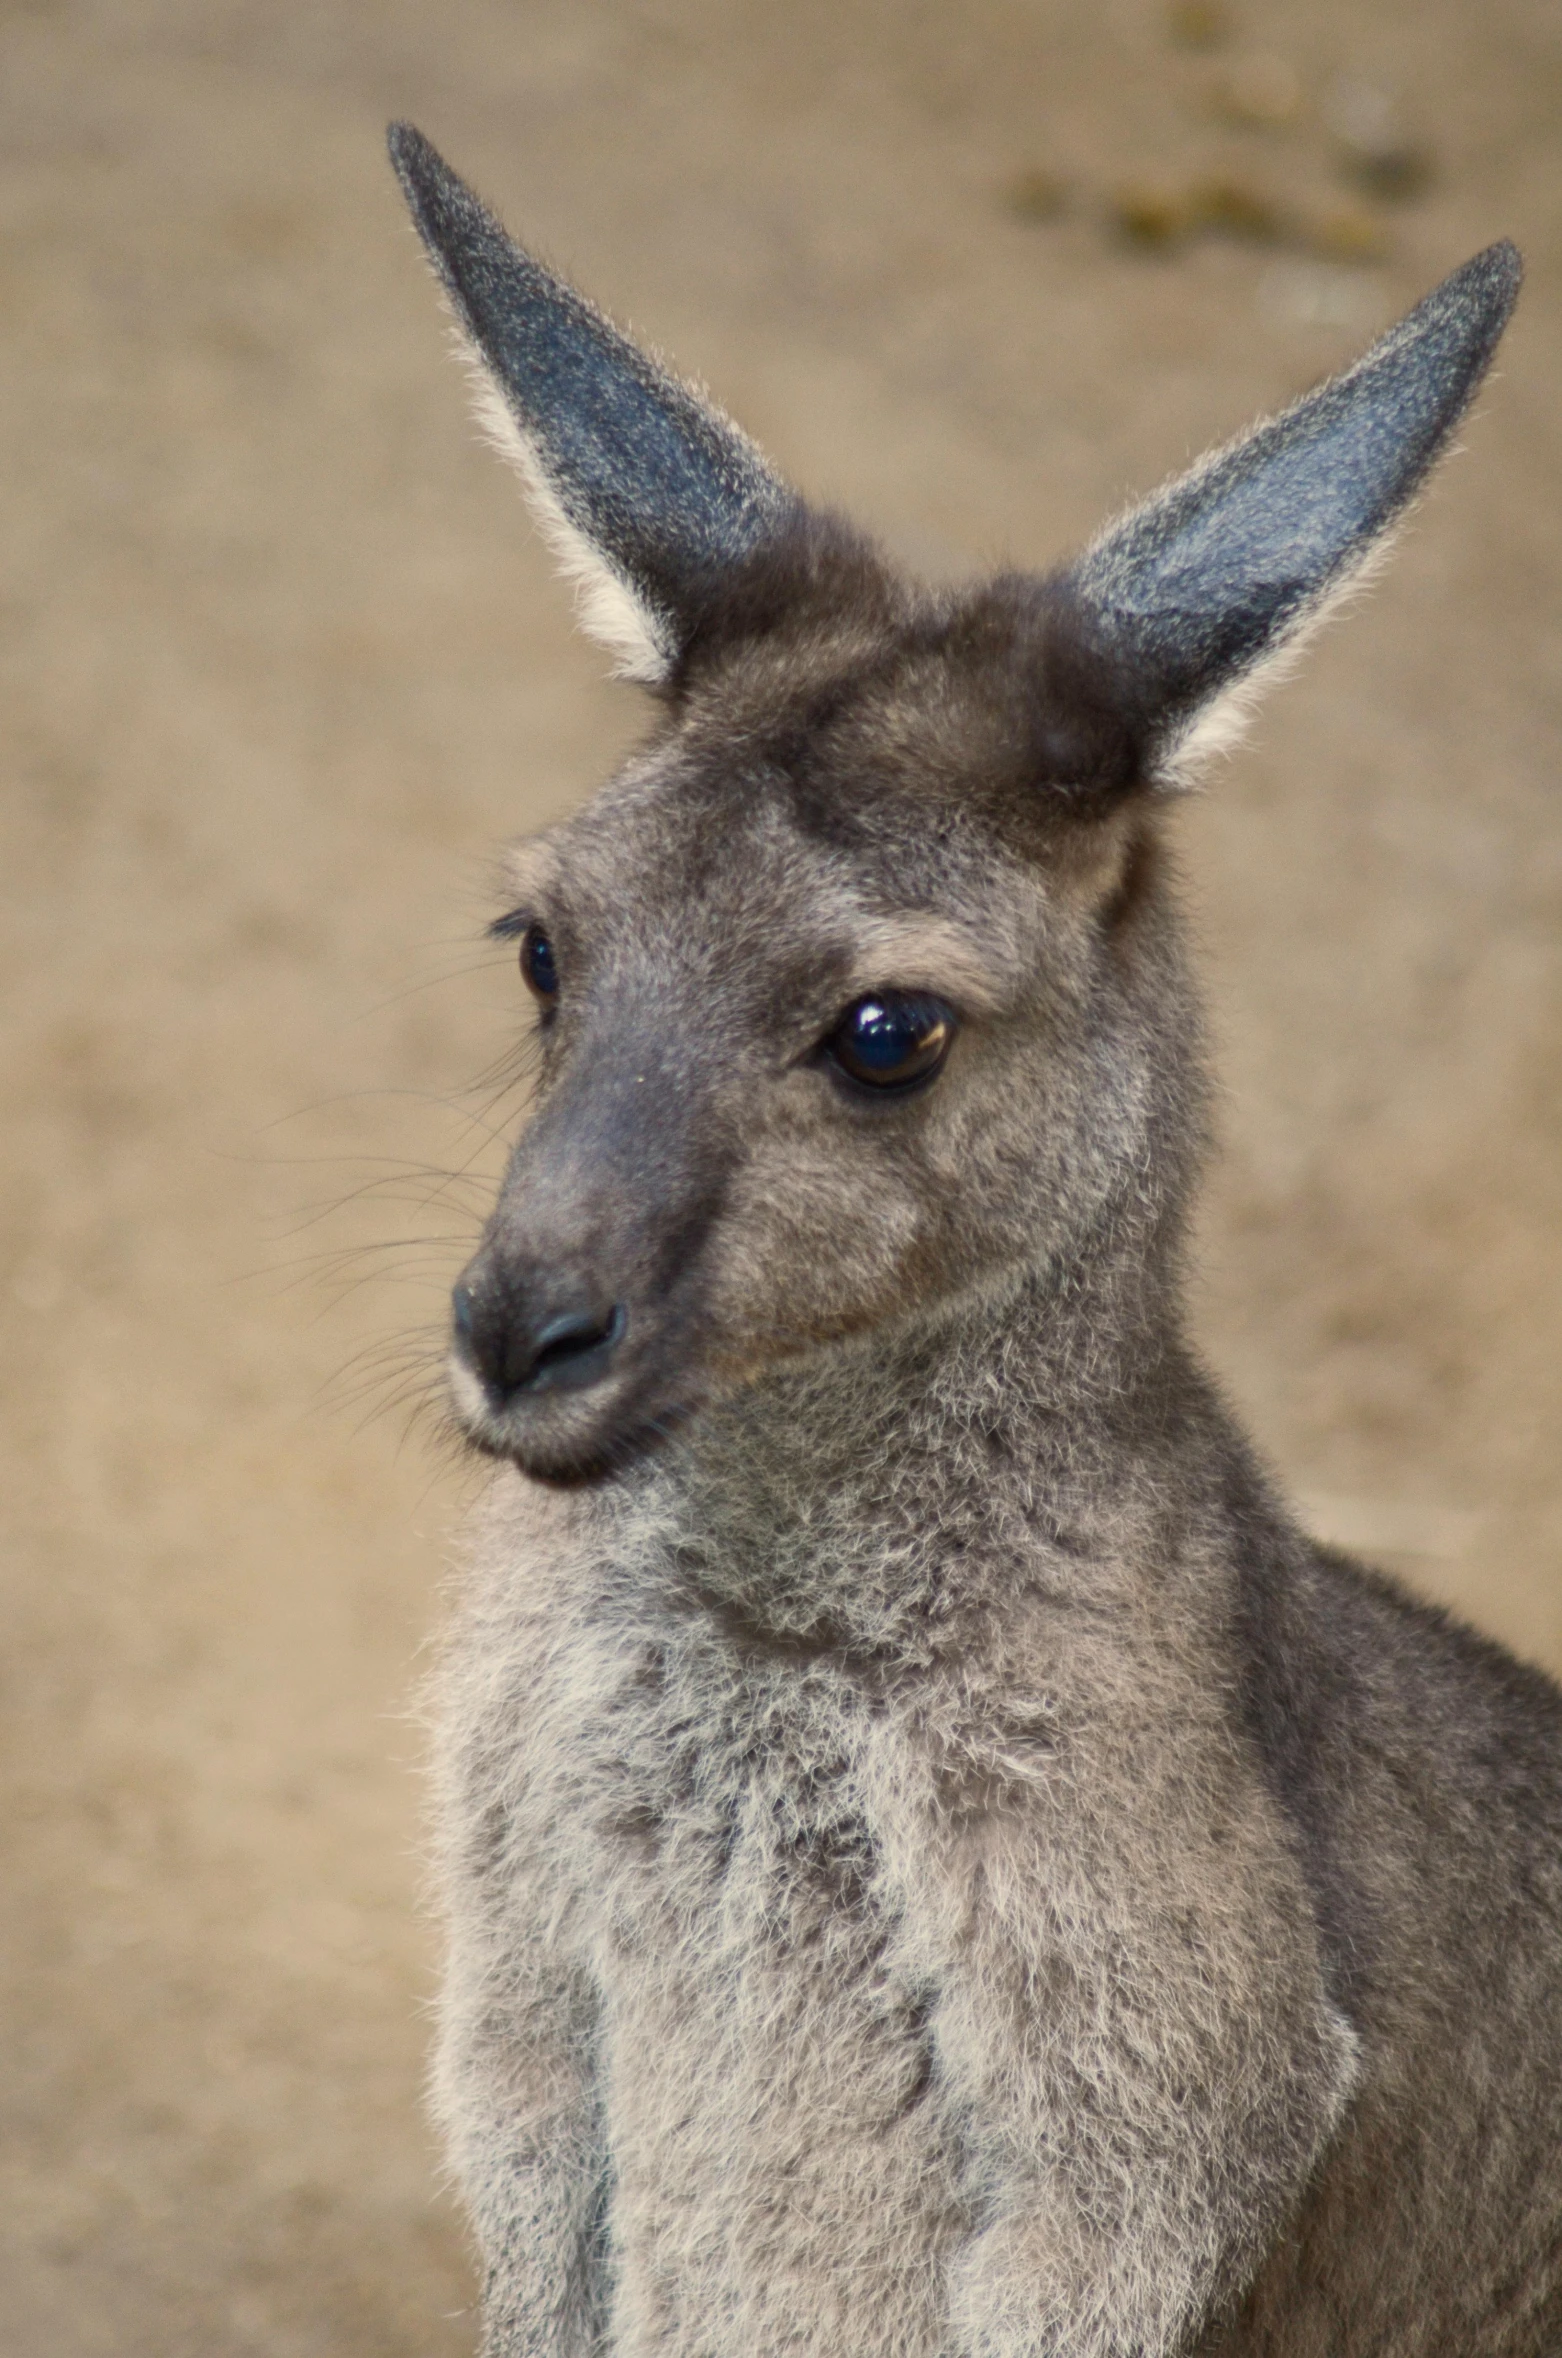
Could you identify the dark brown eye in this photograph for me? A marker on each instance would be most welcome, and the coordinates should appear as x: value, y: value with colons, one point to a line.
x: 892, y: 1039
x: 538, y: 964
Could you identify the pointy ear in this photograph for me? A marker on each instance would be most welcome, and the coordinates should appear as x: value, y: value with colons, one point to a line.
x: 647, y: 494
x: 1202, y: 595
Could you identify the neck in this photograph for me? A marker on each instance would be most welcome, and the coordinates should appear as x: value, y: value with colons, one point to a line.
x: 882, y: 1487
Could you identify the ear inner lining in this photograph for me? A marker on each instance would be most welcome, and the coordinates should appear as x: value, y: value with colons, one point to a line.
x: 1227, y: 570
x: 647, y: 491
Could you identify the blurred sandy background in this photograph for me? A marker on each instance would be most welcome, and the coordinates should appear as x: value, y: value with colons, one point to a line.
x: 282, y: 662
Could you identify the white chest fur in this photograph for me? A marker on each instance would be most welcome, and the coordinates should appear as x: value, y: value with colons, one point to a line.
x: 862, y: 2004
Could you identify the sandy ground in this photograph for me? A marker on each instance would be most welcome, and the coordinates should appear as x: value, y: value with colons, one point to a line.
x: 282, y: 662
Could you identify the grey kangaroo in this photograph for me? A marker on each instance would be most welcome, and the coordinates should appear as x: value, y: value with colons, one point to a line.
x: 937, y: 1863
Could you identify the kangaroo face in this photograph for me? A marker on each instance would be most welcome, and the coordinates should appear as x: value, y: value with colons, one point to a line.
x: 840, y: 1011
x: 859, y: 988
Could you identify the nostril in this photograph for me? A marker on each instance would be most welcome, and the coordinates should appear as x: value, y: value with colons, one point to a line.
x: 516, y: 1352
x: 573, y: 1336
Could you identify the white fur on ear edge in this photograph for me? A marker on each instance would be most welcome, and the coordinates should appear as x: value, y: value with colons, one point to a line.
x: 1216, y: 728
x: 638, y: 637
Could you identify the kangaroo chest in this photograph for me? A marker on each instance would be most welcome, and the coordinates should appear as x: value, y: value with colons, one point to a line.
x: 905, y: 1977
x: 763, y: 1997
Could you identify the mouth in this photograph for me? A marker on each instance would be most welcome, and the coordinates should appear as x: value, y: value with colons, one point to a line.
x: 551, y: 1431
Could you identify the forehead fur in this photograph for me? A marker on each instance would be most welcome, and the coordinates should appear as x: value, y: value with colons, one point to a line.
x: 994, y: 709
x: 724, y: 863
x: 872, y: 756
x: 1002, y: 698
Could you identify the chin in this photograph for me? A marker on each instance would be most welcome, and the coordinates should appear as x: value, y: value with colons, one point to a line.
x: 565, y: 1440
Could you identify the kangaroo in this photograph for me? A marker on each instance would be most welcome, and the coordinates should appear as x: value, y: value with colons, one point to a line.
x: 937, y: 1863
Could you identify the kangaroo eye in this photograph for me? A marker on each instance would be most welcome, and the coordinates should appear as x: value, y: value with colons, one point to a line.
x: 892, y: 1039
x: 537, y: 963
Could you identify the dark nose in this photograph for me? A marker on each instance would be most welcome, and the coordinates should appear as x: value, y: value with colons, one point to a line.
x: 530, y: 1338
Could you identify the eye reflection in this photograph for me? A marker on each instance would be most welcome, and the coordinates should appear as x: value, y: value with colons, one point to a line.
x: 892, y: 1039
x: 538, y: 965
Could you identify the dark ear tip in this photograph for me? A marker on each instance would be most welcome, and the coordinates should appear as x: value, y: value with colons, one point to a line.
x: 1501, y: 266
x: 1492, y: 279
x: 407, y: 146
x: 448, y: 216
x: 418, y: 165
x: 1507, y: 268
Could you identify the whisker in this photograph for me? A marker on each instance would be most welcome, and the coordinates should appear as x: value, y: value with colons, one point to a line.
x: 431, y: 982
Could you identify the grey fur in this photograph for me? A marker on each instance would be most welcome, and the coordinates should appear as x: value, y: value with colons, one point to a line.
x: 937, y: 1864
x: 668, y: 491
x: 1232, y: 560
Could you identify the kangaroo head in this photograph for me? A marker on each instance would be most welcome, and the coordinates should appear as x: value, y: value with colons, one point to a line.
x: 859, y: 988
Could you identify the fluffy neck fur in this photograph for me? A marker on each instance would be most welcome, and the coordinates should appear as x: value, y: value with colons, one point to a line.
x: 847, y: 1502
